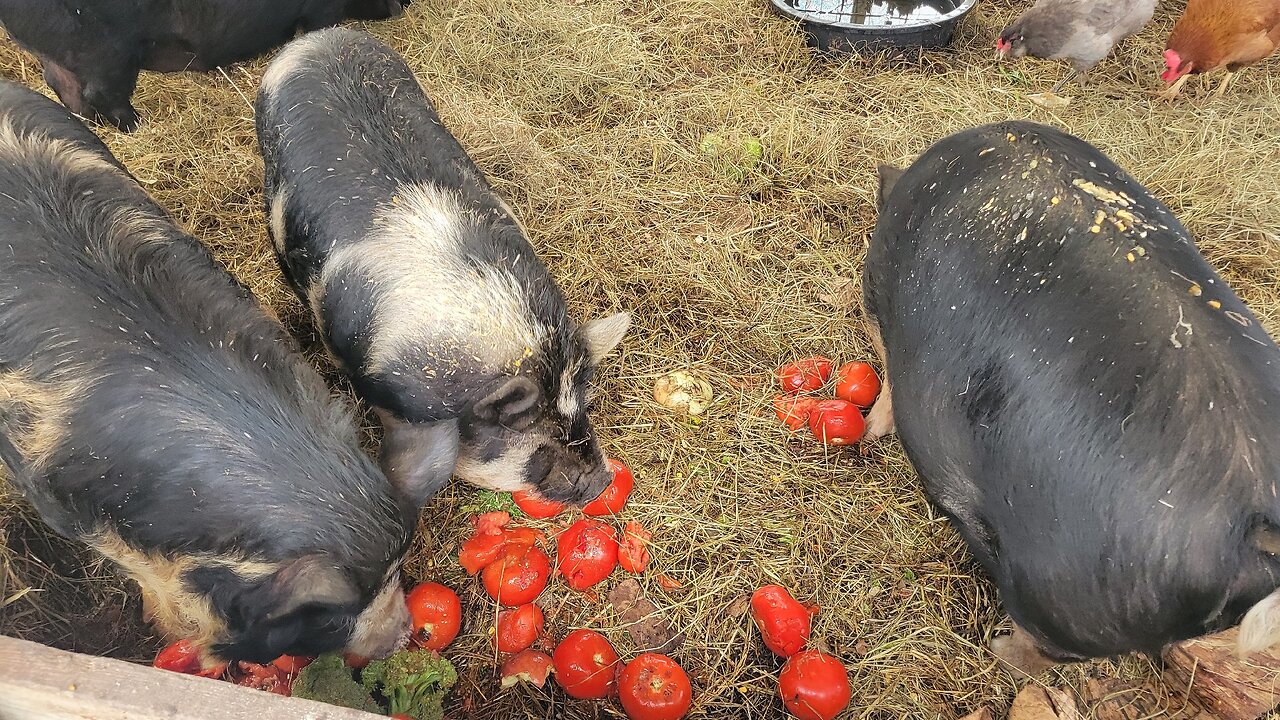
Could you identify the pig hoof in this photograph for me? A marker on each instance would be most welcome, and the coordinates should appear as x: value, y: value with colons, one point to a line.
x: 1021, y: 658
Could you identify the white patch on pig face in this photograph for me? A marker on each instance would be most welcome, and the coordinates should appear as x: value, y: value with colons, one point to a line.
x: 278, y: 204
x: 505, y: 473
x: 431, y: 297
x: 569, y: 401
x: 384, y: 626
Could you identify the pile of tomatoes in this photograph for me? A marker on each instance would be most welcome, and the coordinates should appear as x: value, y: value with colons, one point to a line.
x: 834, y: 421
x: 276, y: 677
x: 514, y: 569
x: 813, y: 685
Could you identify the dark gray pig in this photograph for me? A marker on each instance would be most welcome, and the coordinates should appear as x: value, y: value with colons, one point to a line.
x: 1080, y: 392
x: 92, y: 50
x: 150, y: 408
x: 427, y: 292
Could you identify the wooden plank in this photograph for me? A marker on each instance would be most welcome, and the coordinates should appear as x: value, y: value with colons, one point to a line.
x: 38, y: 682
x: 1221, y: 683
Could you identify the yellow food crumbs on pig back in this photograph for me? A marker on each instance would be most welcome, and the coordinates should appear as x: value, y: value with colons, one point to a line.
x: 1034, y: 164
x: 984, y: 152
x: 1011, y: 137
x: 1101, y: 193
x: 1194, y: 290
x: 1215, y: 304
x: 1129, y: 257
x: 1055, y: 200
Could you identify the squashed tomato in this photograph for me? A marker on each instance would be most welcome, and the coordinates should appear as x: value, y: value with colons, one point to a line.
x: 814, y: 686
x: 836, y: 422
x: 263, y: 677
x: 615, y: 496
x: 804, y: 375
x: 654, y: 687
x: 784, y: 623
x: 354, y: 661
x: 535, y: 507
x: 531, y: 666
x: 584, y: 663
x: 857, y: 382
x: 436, y: 613
x: 587, y: 552
x: 184, y: 657
x: 517, y: 577
x: 518, y: 628
x: 633, y: 550
x: 794, y: 410
x: 491, y: 537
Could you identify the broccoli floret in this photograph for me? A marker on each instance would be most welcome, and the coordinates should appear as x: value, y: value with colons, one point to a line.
x: 414, y: 682
x: 329, y: 680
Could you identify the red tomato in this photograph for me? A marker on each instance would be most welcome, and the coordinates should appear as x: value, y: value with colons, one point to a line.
x: 263, y: 677
x: 436, y: 613
x: 814, y: 685
x: 527, y: 665
x: 804, y: 375
x: 535, y: 507
x: 584, y: 663
x: 615, y: 496
x: 479, y: 551
x: 354, y: 661
x: 858, y: 383
x: 184, y: 657
x: 836, y: 422
x: 291, y: 664
x: 783, y: 621
x: 400, y: 716
x: 519, y: 628
x: 633, y: 551
x: 793, y: 410
x: 523, y: 536
x: 586, y: 553
x: 654, y: 687
x: 517, y: 577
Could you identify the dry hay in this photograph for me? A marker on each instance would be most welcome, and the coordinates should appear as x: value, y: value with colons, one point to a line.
x: 588, y: 116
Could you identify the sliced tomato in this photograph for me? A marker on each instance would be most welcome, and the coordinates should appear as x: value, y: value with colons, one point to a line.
x: 263, y: 677
x: 480, y: 550
x: 491, y: 523
x: 633, y: 550
x: 794, y: 410
x: 531, y: 666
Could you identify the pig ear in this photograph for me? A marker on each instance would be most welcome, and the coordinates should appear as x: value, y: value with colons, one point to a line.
x: 418, y: 457
x: 310, y: 580
x: 602, y: 335
x: 515, y: 404
x: 889, y: 176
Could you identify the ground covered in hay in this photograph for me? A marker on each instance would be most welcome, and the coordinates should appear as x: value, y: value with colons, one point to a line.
x: 589, y: 116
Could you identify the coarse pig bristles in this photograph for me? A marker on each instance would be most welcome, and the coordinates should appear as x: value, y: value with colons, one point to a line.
x: 588, y: 117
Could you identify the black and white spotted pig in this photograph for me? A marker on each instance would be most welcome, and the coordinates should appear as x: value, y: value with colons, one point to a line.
x: 151, y: 409
x: 421, y: 279
x: 92, y: 50
x: 1080, y: 392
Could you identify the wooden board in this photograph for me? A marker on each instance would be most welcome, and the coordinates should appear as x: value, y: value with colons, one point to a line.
x: 1221, y: 683
x: 38, y: 682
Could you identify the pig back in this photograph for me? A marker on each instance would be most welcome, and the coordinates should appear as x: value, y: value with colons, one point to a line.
x: 1077, y: 387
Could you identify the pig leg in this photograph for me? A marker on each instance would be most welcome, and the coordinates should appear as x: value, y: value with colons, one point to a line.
x: 1022, y: 654
x: 880, y: 418
x: 418, y: 457
x: 375, y: 9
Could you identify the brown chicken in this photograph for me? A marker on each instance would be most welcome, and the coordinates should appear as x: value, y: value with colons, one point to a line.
x: 1214, y: 34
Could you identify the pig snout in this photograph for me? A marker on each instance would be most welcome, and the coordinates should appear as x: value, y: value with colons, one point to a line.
x: 384, y: 626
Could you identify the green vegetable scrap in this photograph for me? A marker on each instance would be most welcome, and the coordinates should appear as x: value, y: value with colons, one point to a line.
x: 329, y: 680
x: 490, y: 501
x: 414, y: 682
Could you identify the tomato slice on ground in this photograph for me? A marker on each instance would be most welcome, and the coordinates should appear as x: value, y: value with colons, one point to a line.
x: 633, y: 550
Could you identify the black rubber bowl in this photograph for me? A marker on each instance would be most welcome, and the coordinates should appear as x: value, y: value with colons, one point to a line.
x: 871, y: 25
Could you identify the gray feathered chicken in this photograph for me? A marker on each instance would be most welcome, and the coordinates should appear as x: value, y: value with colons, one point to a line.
x: 1082, y: 32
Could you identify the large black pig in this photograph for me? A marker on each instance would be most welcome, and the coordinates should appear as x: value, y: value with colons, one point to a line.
x: 92, y: 50
x: 1080, y: 392
x: 422, y: 281
x: 150, y: 408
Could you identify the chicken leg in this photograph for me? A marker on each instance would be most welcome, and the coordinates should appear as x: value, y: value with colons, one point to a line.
x: 1067, y: 78
x: 1222, y: 88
